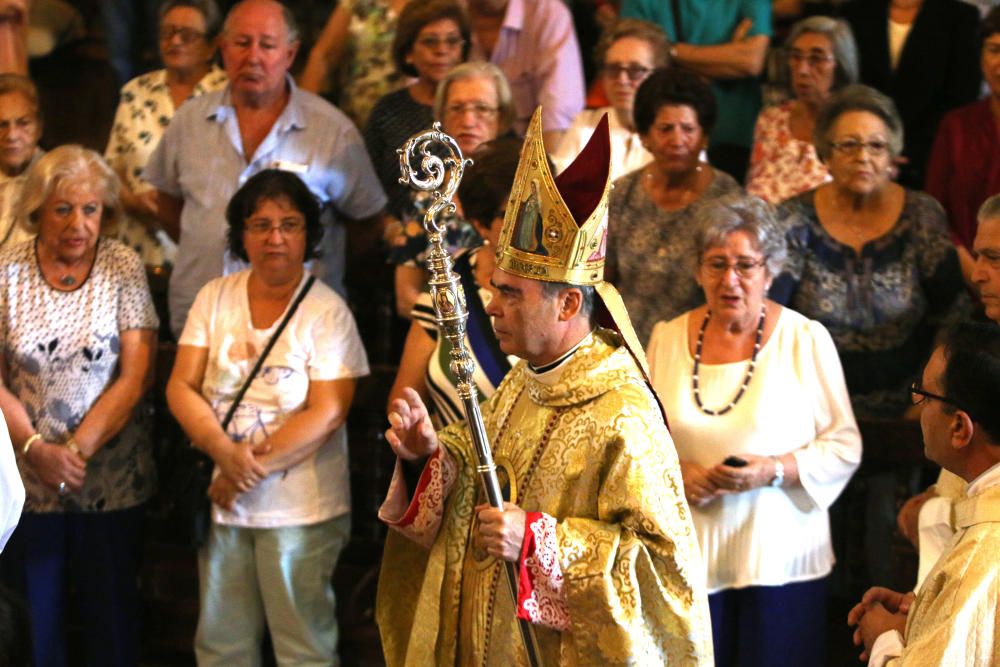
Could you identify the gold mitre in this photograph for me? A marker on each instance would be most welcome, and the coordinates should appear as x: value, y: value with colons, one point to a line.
x: 555, y: 228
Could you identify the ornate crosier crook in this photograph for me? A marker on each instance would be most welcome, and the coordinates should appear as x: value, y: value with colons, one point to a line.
x: 443, y: 176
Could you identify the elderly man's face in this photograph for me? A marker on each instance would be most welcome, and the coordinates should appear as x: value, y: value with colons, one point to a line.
x: 256, y: 50
x: 986, y: 272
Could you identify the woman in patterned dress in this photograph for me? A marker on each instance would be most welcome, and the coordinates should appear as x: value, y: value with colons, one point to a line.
x: 148, y: 103
x: 873, y: 262
x: 822, y: 58
x: 654, y: 208
x: 78, y: 330
x: 355, y: 47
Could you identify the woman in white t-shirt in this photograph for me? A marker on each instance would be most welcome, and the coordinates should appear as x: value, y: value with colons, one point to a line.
x: 280, y: 491
x: 766, y: 438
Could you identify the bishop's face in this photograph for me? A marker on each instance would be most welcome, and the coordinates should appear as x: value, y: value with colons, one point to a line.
x: 525, y: 319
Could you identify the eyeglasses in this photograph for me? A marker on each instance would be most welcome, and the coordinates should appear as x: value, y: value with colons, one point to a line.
x: 187, y: 35
x: 480, y: 111
x: 918, y: 396
x: 634, y: 72
x: 433, y: 42
x: 745, y: 268
x: 851, y: 147
x: 812, y: 59
x: 286, y: 228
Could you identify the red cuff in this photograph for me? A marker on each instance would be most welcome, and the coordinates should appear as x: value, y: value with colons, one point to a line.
x: 540, y: 597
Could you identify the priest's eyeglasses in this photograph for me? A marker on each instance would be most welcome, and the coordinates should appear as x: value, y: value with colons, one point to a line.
x: 918, y: 396
x: 745, y: 268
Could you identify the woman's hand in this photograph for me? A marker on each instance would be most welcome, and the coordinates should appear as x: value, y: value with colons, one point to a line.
x: 699, y: 489
x: 758, y: 472
x: 55, y: 465
x: 238, y: 463
x: 411, y: 435
x: 223, y: 493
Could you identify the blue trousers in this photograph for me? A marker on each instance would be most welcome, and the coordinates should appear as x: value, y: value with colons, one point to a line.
x: 770, y: 626
x: 97, y: 554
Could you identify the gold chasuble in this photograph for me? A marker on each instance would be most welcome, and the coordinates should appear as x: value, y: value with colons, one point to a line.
x: 584, y: 443
x: 955, y: 619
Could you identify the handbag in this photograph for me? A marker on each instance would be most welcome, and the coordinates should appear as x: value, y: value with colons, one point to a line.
x: 186, y: 476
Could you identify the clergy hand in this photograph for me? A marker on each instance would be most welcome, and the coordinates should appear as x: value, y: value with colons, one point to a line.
x: 411, y: 434
x: 699, y: 489
x: 501, y: 532
x: 875, y: 621
x: 882, y: 605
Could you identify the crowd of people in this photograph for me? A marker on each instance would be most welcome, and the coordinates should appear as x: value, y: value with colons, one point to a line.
x: 683, y: 292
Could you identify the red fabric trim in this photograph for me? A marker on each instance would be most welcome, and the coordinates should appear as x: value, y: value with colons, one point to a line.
x: 425, y: 478
x: 540, y: 599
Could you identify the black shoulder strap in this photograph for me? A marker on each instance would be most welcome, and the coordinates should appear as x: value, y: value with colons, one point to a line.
x: 267, y: 349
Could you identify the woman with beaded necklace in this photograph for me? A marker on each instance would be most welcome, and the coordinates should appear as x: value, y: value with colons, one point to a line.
x: 766, y: 437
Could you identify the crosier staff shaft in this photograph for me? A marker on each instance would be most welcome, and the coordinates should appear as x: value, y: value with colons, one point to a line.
x: 443, y: 174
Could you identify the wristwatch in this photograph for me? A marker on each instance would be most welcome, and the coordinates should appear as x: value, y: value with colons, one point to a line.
x: 779, y: 472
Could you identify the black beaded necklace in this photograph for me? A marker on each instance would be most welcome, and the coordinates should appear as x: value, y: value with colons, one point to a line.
x: 746, y: 380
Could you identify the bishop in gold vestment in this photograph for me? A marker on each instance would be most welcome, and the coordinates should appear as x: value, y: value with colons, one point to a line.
x: 589, y: 449
x: 597, y: 524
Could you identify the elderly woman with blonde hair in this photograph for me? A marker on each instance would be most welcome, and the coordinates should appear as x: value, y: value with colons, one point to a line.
x: 77, y: 330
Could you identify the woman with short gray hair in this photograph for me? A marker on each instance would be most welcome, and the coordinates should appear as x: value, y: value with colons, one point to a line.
x: 822, y: 57
x: 766, y: 438
x: 869, y: 259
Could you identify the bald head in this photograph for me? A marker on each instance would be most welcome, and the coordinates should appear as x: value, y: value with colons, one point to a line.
x: 287, y: 18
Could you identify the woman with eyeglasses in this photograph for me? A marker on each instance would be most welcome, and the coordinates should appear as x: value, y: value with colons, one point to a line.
x: 873, y: 262
x: 351, y: 62
x: 869, y: 259
x: 653, y: 208
x: 431, y: 38
x: 474, y: 105
x: 281, y: 502
x: 148, y: 103
x: 626, y: 54
x: 766, y: 438
x: 822, y: 58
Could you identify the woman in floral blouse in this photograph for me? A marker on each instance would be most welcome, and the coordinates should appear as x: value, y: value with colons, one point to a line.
x: 148, y: 103
x: 77, y: 333
x: 822, y: 57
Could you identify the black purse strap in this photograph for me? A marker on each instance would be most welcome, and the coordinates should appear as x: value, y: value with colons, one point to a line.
x: 267, y: 349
